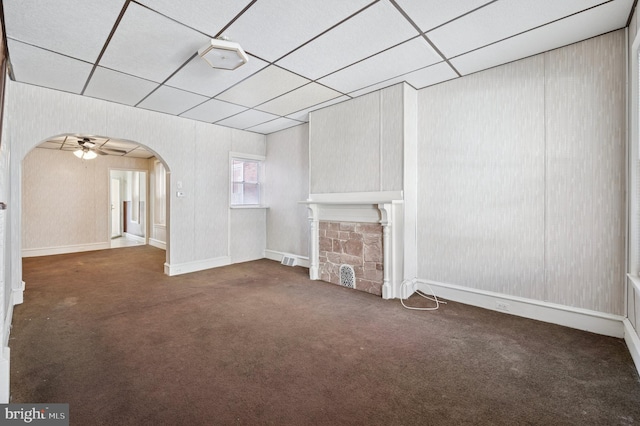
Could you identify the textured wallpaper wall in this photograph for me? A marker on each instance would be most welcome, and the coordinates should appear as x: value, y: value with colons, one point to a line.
x: 356, y: 146
x: 196, y: 154
x: 521, y: 177
x: 287, y: 183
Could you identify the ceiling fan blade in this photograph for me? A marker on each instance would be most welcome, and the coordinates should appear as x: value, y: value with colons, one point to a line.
x: 98, y: 151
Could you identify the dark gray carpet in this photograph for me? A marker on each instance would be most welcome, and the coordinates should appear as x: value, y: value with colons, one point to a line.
x: 258, y: 343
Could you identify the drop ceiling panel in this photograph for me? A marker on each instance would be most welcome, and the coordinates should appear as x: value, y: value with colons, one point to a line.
x: 274, y: 126
x: 140, y: 153
x: 570, y: 30
x: 431, y: 75
x: 428, y: 14
x: 303, y: 97
x: 198, y: 77
x: 213, y: 110
x: 44, y: 68
x: 372, y: 30
x: 203, y: 15
x: 500, y: 20
x: 263, y: 86
x: 407, y: 57
x: 246, y: 119
x: 150, y: 46
x: 172, y: 101
x: 115, y: 144
x: 50, y: 145
x: 303, y: 20
x: 118, y: 87
x: 81, y: 28
x: 303, y: 115
x: 419, y: 79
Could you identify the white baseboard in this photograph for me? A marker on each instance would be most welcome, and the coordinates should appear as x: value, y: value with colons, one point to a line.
x: 48, y: 251
x: 633, y: 342
x: 278, y: 255
x: 195, y: 266
x: 137, y: 238
x: 581, y: 319
x: 157, y: 243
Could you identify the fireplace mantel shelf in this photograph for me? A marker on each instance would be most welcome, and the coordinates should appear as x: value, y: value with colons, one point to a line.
x: 354, y: 198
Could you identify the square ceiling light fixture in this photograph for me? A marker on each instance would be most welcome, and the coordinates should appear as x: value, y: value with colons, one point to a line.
x: 223, y: 54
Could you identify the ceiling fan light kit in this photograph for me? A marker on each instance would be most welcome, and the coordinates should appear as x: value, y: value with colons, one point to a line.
x: 223, y: 54
x: 85, y: 154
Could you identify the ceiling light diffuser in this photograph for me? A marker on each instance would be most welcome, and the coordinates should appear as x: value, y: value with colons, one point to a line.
x: 223, y: 54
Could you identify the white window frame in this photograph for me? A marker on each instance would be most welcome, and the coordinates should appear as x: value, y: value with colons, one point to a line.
x: 247, y: 157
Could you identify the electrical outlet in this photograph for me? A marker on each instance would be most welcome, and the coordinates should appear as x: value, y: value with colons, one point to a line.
x: 502, y: 306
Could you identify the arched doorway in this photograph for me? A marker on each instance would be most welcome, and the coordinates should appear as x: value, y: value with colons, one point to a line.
x: 66, y: 193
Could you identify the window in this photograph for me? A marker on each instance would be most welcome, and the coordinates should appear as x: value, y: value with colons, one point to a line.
x: 246, y: 175
x: 159, y: 206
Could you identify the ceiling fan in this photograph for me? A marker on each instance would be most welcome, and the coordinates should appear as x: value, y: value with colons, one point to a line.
x: 88, y: 150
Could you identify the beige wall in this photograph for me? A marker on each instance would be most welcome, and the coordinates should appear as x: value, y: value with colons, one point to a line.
x: 65, y: 200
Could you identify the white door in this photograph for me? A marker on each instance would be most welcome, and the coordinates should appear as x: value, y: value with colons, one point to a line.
x: 116, y: 209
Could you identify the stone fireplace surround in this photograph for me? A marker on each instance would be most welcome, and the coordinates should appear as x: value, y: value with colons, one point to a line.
x: 367, y: 211
x: 356, y: 244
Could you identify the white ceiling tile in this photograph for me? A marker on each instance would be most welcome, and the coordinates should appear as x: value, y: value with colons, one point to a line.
x: 81, y: 27
x: 303, y: 115
x: 50, y: 145
x: 43, y: 68
x: 500, y: 20
x: 149, y: 45
x: 248, y: 118
x: 372, y: 30
x: 208, y: 16
x: 263, y: 86
x: 407, y: 57
x: 213, y: 110
x: 570, y: 30
x: 274, y: 126
x: 198, y: 77
x: 140, y: 153
x: 116, y: 144
x: 117, y: 87
x: 303, y: 97
x: 172, y: 101
x: 295, y: 21
x: 430, y: 75
x: 419, y: 79
x: 428, y: 14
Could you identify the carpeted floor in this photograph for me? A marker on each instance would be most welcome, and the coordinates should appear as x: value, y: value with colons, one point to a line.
x: 259, y: 344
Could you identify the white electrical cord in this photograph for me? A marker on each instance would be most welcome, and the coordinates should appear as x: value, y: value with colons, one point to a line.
x: 421, y: 294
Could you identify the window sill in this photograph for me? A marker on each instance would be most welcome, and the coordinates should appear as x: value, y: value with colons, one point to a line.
x: 249, y: 206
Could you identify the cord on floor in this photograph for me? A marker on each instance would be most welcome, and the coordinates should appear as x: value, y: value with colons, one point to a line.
x: 421, y: 294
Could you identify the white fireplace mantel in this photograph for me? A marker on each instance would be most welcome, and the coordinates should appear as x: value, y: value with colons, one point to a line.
x: 384, y: 207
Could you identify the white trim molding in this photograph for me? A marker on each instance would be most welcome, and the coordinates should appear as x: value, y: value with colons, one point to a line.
x: 157, y: 243
x: 633, y: 342
x: 195, y: 266
x: 5, y: 375
x: 578, y: 318
x: 278, y: 255
x: 47, y: 251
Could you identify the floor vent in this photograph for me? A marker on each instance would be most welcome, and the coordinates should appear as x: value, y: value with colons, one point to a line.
x: 288, y: 261
x: 347, y: 276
